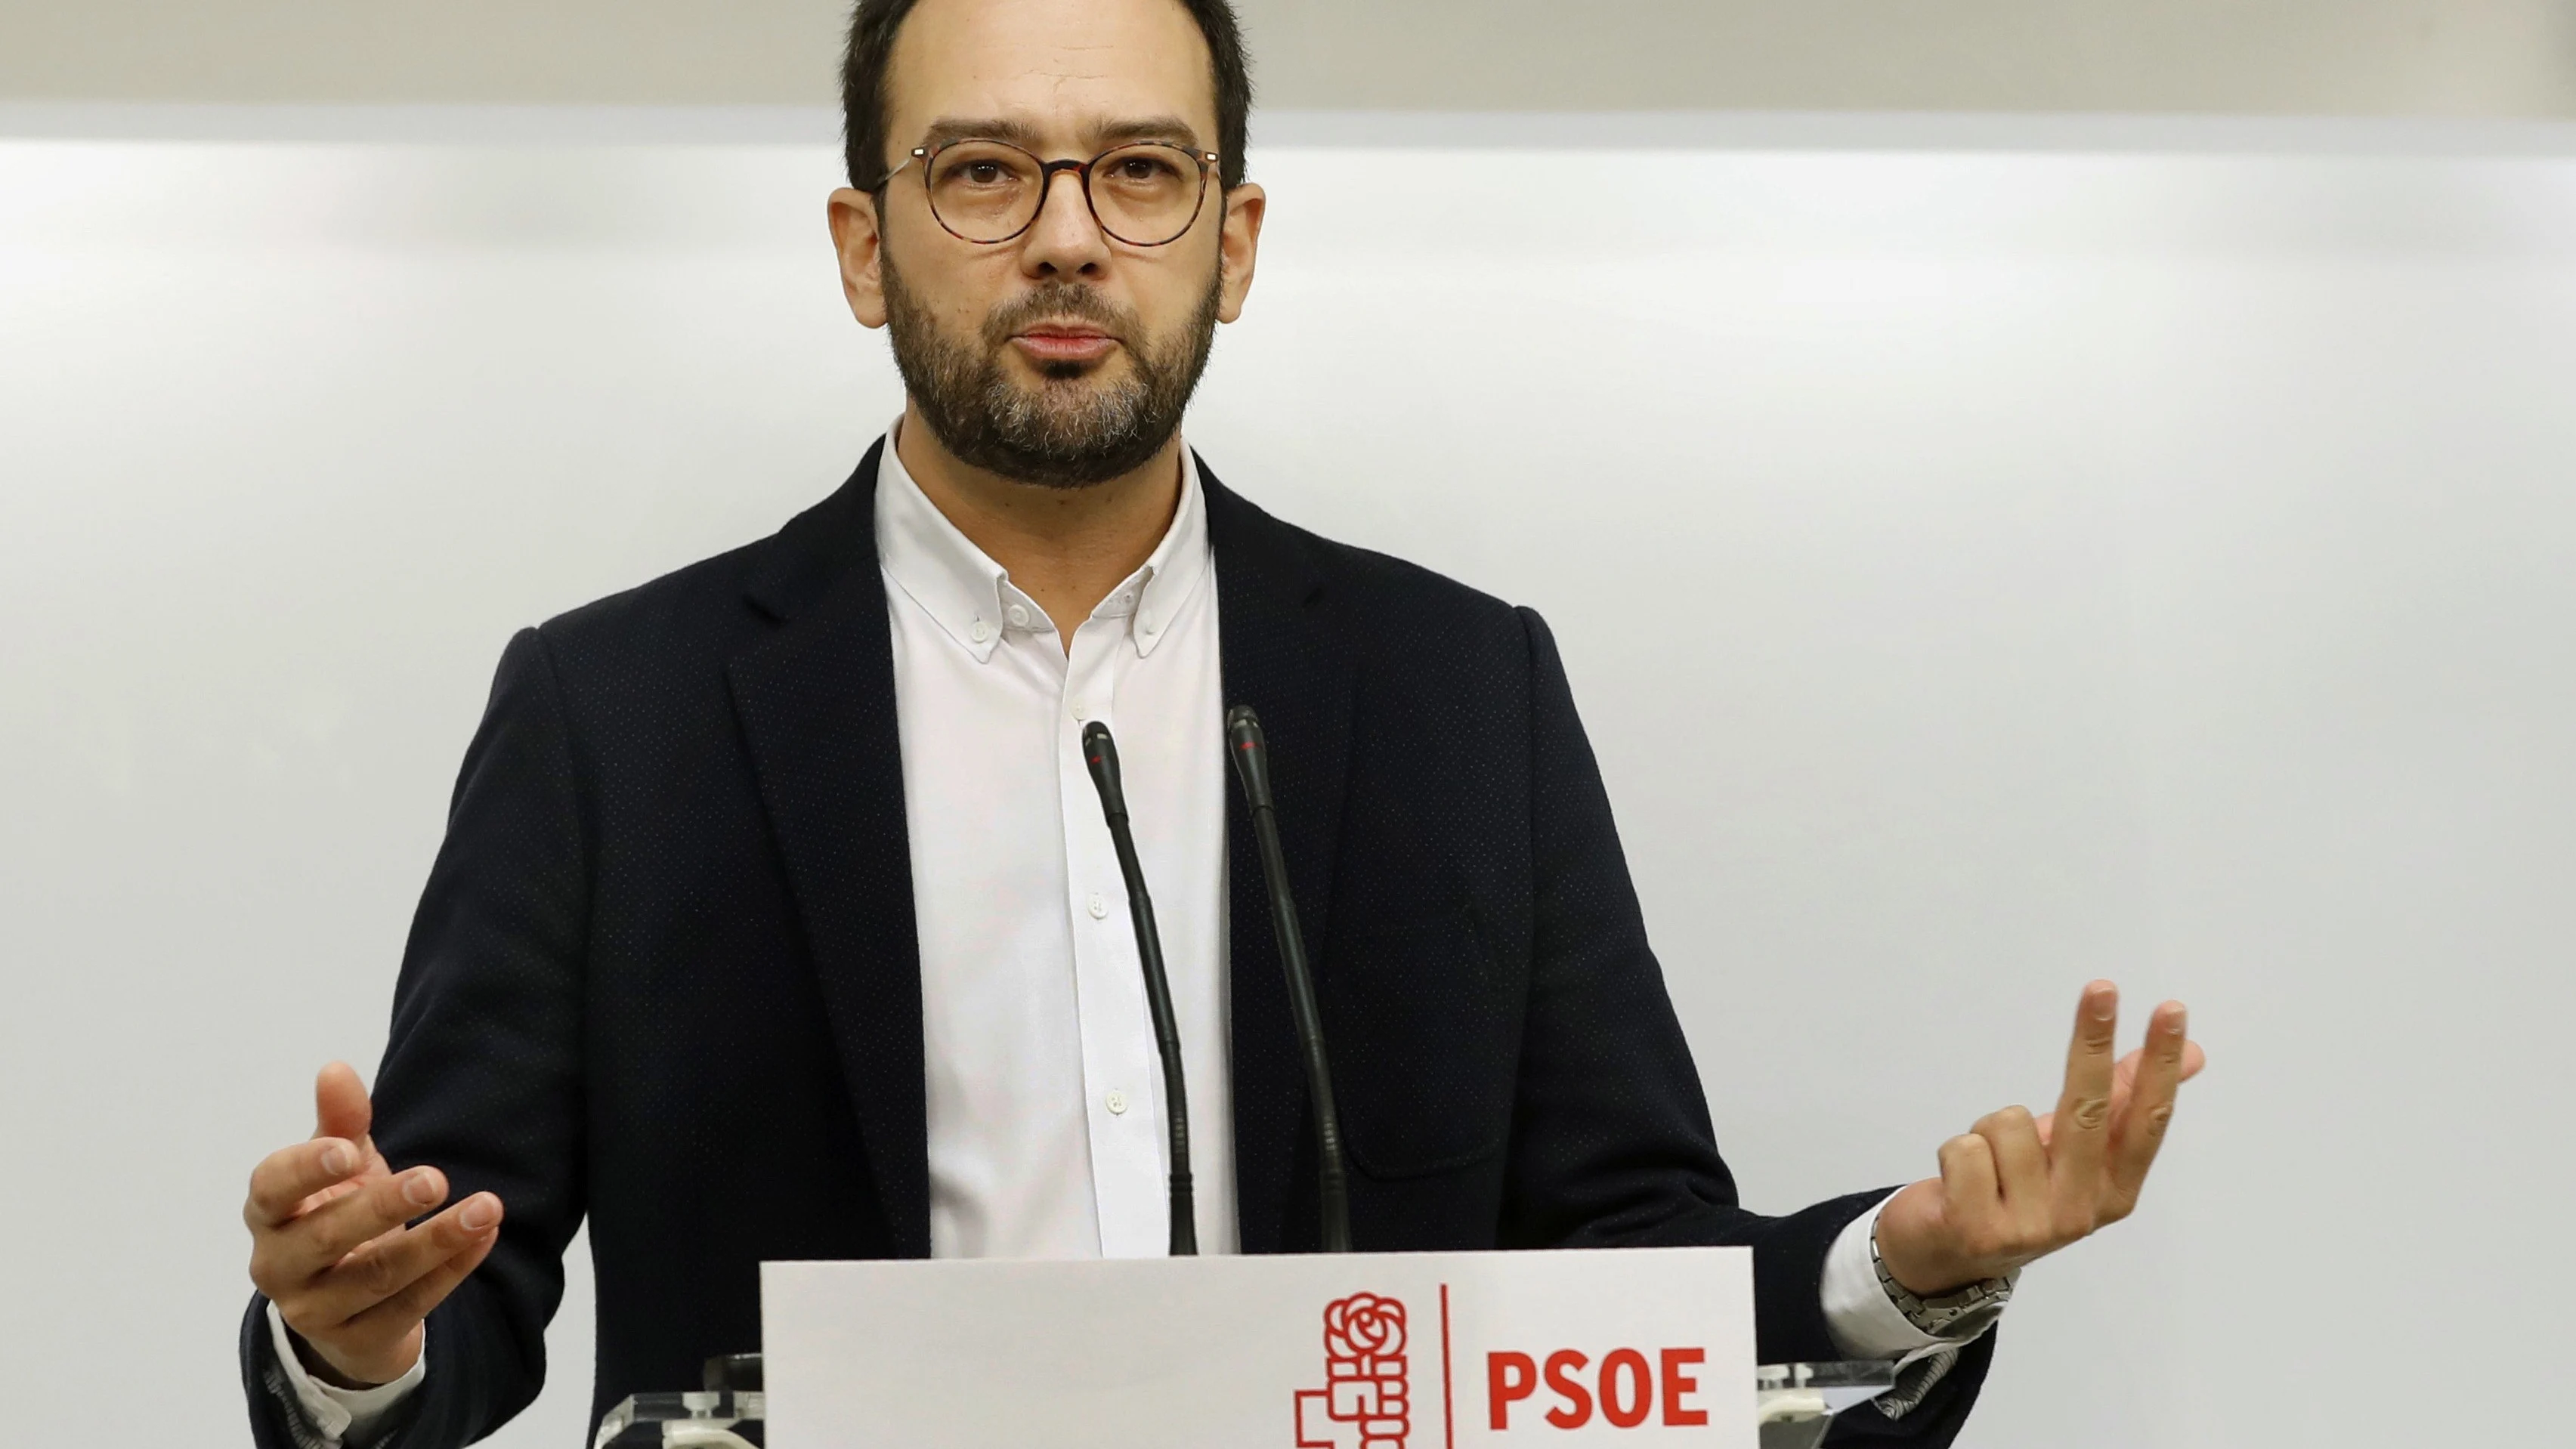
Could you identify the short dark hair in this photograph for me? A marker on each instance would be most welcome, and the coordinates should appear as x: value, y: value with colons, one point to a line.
x: 872, y: 30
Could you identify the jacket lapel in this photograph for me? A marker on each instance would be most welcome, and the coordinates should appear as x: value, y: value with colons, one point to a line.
x: 816, y: 703
x: 1282, y: 656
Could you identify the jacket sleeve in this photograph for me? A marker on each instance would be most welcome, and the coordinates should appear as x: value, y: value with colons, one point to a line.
x: 1611, y: 1140
x: 482, y: 1075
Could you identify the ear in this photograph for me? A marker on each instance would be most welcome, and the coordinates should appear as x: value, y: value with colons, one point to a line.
x: 1237, y: 241
x: 855, y: 238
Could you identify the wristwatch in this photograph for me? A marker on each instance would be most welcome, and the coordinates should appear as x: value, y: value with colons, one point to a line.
x: 1958, y: 1315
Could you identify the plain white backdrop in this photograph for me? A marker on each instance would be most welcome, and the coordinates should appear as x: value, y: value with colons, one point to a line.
x: 1982, y: 568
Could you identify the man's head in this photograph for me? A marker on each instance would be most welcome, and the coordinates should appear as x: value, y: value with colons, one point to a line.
x: 1062, y: 354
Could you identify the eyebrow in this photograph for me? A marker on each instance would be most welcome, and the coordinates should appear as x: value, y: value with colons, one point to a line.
x: 1101, y: 135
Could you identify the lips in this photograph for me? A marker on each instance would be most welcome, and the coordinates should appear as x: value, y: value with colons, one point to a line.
x: 1063, y: 342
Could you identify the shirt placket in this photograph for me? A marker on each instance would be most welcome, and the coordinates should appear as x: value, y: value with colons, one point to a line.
x: 1119, y: 1066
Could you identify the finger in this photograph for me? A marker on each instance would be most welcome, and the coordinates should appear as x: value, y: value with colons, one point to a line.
x: 2124, y: 1079
x: 286, y: 1177
x: 2167, y: 1061
x: 2021, y: 1163
x: 2077, y: 1138
x: 381, y: 1270
x: 340, y: 1105
x: 399, y: 1312
x: 321, y: 1238
x: 2121, y: 1076
x: 1968, y: 1183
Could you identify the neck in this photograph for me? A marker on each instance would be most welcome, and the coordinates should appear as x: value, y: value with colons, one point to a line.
x: 1066, y: 548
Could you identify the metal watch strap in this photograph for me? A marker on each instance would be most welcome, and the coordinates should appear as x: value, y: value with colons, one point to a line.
x: 1973, y: 1306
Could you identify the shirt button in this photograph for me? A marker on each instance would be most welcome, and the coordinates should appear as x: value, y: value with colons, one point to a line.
x: 1146, y: 619
x: 1098, y: 907
x: 1078, y: 711
x: 1019, y: 616
x: 1117, y: 1103
x: 979, y: 631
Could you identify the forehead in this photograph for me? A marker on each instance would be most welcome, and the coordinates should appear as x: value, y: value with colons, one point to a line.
x: 1060, y: 68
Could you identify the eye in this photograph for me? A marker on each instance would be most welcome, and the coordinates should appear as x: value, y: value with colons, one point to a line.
x: 976, y: 166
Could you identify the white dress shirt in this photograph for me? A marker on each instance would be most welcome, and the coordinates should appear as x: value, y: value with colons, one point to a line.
x: 1045, y: 1115
x: 1047, y: 1135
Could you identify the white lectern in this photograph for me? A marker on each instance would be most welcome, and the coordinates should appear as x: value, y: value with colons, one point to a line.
x: 1370, y: 1351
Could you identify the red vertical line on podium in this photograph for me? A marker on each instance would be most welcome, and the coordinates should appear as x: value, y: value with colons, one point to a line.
x: 1448, y: 1410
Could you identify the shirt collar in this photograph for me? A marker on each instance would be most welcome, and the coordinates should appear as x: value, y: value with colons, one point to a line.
x: 973, y: 599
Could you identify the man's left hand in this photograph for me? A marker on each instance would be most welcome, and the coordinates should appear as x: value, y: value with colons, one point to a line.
x: 2017, y: 1188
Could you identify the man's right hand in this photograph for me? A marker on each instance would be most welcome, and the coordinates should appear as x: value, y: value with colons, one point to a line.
x: 329, y: 1247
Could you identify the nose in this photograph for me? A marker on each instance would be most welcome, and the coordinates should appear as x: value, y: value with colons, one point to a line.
x: 1066, y: 239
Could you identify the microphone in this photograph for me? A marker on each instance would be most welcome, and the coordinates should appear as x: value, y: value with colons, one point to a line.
x: 1251, y: 755
x: 1102, y: 754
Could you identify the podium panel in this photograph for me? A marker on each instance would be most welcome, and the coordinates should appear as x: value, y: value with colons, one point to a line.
x: 1346, y: 1351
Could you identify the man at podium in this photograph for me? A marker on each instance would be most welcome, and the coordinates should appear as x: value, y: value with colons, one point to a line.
x: 776, y: 917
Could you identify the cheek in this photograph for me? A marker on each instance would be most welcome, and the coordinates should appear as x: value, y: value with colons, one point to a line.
x: 1169, y: 294
x: 956, y: 292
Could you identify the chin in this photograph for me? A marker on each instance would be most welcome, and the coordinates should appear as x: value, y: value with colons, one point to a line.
x: 1051, y: 375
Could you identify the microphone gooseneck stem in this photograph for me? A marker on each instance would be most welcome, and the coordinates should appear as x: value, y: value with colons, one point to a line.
x: 1251, y: 755
x: 1101, y: 753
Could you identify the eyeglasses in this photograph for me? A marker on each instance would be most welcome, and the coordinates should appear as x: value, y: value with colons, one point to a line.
x: 1146, y: 194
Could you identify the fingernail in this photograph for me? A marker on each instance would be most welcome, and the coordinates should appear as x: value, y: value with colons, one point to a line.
x: 419, y: 1189
x: 2180, y: 1018
x: 2104, y: 1003
x: 335, y: 1160
x: 478, y: 1214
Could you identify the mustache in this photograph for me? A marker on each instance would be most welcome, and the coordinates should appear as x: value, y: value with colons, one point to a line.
x: 1058, y: 302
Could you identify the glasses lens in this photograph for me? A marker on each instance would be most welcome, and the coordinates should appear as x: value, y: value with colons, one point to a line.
x: 1146, y: 195
x: 984, y: 190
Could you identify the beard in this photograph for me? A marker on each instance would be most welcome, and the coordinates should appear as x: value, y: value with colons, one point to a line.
x: 1070, y: 430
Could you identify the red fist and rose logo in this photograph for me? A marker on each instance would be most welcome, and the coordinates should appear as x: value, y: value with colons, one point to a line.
x: 1365, y: 1402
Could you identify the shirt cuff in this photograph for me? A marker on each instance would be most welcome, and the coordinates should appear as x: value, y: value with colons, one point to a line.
x: 335, y: 1413
x: 1864, y: 1321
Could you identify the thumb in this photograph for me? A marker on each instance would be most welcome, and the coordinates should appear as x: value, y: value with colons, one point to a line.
x: 340, y: 1106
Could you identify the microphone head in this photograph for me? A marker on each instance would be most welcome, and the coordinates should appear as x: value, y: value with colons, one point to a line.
x: 1251, y: 754
x: 1100, y: 752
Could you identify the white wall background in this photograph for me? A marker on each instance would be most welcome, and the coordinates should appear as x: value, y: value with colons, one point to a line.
x: 2234, y: 57
x: 2070, y: 557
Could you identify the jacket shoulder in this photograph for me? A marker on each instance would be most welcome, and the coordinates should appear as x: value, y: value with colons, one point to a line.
x: 1359, y: 583
x: 718, y: 603
x: 1397, y: 609
x: 1384, y: 579
x: 703, y: 602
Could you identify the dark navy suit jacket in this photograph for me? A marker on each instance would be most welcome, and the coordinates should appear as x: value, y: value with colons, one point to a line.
x: 664, y: 973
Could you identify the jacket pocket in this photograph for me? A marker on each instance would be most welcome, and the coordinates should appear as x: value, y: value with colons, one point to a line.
x: 1423, y: 1034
